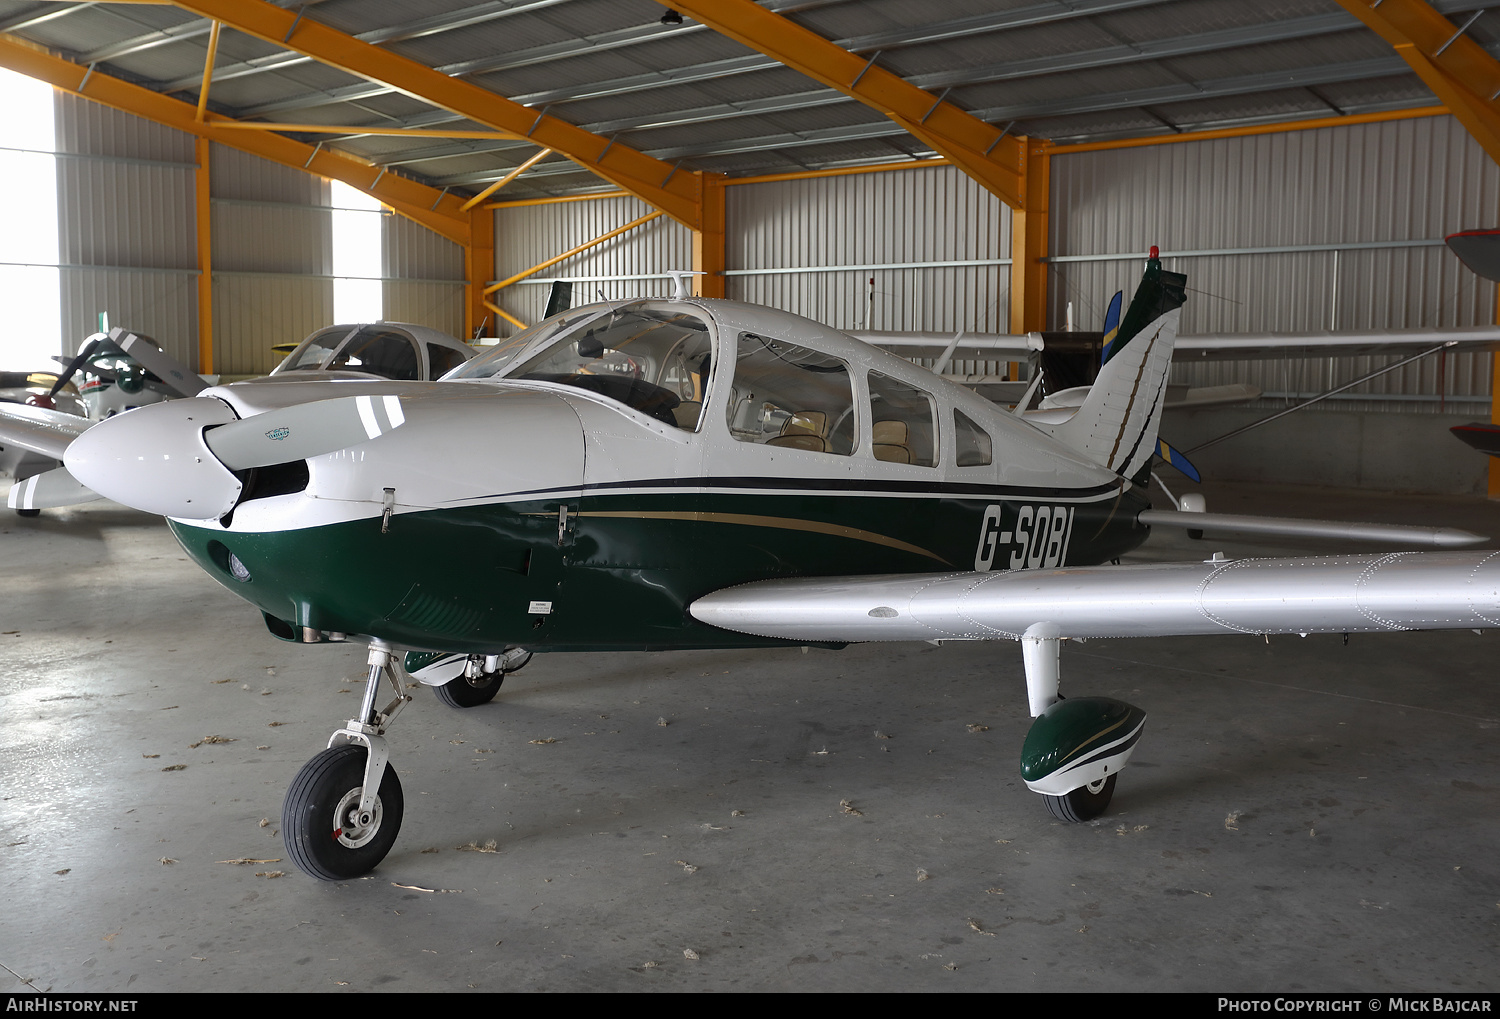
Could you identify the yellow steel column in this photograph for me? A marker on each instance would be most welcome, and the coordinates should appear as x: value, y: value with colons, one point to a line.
x: 1028, y: 243
x: 479, y: 267
x: 1494, y: 485
x: 709, y: 241
x: 205, y: 259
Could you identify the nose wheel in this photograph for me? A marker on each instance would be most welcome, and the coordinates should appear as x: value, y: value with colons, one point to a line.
x: 328, y: 833
x: 343, y: 810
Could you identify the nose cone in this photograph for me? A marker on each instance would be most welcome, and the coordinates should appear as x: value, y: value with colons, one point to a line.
x: 154, y: 459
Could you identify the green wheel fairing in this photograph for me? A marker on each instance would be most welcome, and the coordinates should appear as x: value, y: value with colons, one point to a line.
x: 464, y: 580
x: 1080, y: 736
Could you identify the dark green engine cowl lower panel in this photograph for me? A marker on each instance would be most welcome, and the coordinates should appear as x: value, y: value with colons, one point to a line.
x: 623, y: 574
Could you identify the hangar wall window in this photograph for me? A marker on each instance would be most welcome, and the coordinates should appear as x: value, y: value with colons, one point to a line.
x: 357, y: 288
x: 30, y: 284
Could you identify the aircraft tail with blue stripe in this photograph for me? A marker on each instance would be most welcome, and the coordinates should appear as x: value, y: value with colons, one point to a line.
x: 1117, y: 423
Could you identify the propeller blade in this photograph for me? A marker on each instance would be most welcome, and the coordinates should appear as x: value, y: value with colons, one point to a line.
x: 84, y: 352
x: 51, y: 488
x: 305, y: 430
x: 157, y: 361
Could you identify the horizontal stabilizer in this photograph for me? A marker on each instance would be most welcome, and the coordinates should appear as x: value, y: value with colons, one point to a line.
x: 1322, y: 594
x: 52, y: 488
x: 1290, y: 527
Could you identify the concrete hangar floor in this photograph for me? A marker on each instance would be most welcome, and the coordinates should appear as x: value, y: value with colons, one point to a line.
x: 1301, y: 815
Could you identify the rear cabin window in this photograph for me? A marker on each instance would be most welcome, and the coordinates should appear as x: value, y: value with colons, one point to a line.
x: 903, y: 422
x: 790, y: 396
x: 972, y: 444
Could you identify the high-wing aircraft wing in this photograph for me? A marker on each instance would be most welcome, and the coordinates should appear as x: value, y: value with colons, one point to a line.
x: 1200, y: 347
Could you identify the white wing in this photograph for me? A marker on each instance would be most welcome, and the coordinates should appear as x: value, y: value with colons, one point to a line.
x: 1323, y: 594
x: 47, y: 432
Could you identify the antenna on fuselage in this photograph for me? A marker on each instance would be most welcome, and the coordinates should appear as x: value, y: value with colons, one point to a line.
x: 680, y: 290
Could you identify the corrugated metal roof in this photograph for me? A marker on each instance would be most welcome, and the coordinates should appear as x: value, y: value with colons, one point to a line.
x: 1064, y: 69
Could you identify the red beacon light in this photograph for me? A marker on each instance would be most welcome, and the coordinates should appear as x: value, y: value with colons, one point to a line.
x: 1155, y: 251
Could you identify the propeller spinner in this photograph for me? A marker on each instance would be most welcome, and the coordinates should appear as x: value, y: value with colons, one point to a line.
x: 178, y: 459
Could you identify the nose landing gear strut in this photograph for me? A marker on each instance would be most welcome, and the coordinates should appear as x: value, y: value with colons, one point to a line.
x: 343, y: 810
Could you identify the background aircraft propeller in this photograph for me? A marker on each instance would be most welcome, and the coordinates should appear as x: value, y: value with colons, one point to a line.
x: 51, y: 488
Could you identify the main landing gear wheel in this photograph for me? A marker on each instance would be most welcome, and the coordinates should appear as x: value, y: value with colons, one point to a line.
x: 325, y: 834
x: 471, y: 691
x: 28, y: 513
x: 464, y: 692
x: 1084, y: 803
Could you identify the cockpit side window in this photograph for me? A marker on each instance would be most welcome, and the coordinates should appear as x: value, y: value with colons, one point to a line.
x: 443, y: 359
x: 903, y: 422
x: 790, y: 396
x: 656, y: 362
x: 972, y: 444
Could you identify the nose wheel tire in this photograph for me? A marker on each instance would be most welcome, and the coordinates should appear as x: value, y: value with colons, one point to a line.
x: 470, y: 693
x: 326, y: 836
x: 1084, y: 803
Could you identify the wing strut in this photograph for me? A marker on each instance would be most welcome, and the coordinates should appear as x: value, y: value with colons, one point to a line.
x: 1318, y: 399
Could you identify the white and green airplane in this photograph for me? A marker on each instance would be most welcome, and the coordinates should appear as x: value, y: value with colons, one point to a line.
x: 691, y: 473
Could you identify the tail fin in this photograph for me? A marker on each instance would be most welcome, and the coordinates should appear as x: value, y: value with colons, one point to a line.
x: 1111, y: 327
x: 1116, y: 425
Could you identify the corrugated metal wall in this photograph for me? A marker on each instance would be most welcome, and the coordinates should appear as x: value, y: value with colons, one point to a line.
x: 424, y: 276
x: 789, y: 239
x: 272, y: 250
x: 625, y: 267
x: 129, y: 244
x: 125, y: 204
x: 1375, y: 184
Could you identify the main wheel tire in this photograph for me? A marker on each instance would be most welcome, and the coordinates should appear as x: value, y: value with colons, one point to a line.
x: 470, y: 693
x: 322, y: 836
x: 1084, y: 803
x: 28, y: 512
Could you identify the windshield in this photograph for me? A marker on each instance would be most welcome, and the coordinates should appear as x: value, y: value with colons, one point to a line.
x: 374, y: 350
x: 655, y: 361
x: 313, y: 351
x: 498, y: 360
